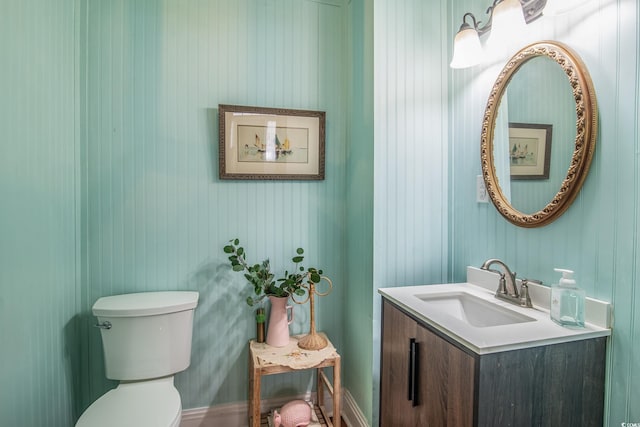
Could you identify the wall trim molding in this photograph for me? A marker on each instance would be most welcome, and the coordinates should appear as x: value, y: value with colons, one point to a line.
x: 351, y: 412
x: 235, y: 414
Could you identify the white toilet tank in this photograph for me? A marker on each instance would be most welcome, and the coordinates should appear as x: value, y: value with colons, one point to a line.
x: 146, y: 335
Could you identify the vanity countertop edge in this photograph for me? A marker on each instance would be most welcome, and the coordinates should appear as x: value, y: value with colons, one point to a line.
x: 495, y: 339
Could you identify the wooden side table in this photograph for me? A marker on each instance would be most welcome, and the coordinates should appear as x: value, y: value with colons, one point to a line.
x: 267, y: 360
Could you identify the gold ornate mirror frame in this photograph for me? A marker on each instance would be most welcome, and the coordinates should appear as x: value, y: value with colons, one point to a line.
x: 585, y: 142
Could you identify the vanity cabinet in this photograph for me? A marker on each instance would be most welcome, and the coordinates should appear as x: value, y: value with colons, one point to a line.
x: 429, y: 380
x: 425, y: 380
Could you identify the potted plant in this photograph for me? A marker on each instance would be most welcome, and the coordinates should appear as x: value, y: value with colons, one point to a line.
x: 278, y: 290
x: 263, y: 280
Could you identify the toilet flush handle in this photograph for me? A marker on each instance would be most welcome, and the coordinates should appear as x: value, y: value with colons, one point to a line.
x: 104, y: 325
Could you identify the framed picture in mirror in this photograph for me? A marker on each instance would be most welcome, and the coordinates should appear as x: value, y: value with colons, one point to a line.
x: 530, y: 150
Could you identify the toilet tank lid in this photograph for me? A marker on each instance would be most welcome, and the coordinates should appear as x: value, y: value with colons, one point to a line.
x: 145, y: 303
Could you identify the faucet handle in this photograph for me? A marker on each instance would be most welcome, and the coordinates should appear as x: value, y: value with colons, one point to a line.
x: 502, y: 284
x: 525, y: 299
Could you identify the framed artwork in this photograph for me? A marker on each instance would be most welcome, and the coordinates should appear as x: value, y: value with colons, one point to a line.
x: 530, y: 150
x: 271, y: 143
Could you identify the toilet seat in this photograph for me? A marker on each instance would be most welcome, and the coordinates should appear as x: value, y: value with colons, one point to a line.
x: 153, y: 403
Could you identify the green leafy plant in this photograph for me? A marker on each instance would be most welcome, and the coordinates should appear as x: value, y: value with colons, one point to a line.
x: 263, y: 280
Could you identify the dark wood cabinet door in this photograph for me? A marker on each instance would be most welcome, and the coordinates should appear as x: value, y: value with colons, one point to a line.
x: 396, y: 407
x: 425, y: 381
x: 446, y: 383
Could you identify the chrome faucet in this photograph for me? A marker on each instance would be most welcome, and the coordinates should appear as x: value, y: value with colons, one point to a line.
x: 507, y: 286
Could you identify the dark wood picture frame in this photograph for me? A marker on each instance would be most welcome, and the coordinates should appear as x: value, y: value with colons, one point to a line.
x: 530, y: 150
x: 259, y: 143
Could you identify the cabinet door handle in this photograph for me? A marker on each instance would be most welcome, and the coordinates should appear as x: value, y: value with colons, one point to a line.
x: 412, y: 393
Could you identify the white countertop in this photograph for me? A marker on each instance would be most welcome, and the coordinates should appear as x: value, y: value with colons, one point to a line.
x: 483, y: 340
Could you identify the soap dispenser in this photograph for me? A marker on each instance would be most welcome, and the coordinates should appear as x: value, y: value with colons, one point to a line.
x: 567, y: 301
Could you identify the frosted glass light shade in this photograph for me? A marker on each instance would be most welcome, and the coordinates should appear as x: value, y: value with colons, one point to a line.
x: 467, y: 50
x: 508, y: 22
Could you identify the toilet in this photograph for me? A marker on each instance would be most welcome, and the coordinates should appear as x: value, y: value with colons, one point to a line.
x: 146, y: 339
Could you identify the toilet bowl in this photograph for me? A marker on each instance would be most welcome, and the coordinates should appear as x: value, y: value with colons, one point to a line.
x: 146, y: 339
x: 140, y: 404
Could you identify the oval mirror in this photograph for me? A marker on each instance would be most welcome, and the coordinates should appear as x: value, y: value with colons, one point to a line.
x: 538, y: 134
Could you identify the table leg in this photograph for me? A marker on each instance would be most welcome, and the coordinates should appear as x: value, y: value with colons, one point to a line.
x: 254, y: 394
x: 336, y: 393
x: 250, y: 400
x: 319, y: 387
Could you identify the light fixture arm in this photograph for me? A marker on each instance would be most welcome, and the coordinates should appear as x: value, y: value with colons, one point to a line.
x: 467, y: 50
x: 532, y: 10
x: 487, y: 27
x: 476, y: 24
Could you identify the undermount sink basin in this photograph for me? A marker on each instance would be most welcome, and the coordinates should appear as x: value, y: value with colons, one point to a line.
x: 475, y: 311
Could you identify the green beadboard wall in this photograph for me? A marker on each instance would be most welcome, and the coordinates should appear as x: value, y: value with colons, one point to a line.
x: 598, y: 236
x: 358, y: 316
x: 39, y: 227
x: 157, y: 214
x: 410, y: 194
x: 108, y: 167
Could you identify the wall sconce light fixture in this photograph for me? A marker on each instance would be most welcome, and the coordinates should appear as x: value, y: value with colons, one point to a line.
x: 506, y: 18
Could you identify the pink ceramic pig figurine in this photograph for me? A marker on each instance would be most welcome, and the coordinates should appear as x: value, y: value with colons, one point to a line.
x: 296, y: 413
